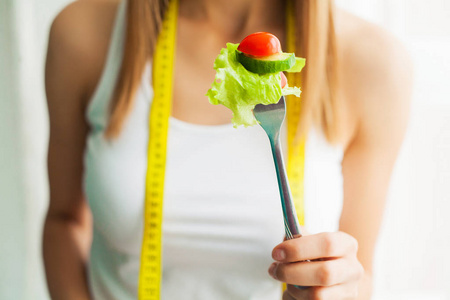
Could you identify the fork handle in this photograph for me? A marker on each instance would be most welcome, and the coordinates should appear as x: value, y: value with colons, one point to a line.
x: 292, y: 226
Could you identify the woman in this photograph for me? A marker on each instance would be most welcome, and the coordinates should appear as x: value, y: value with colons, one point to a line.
x: 215, y: 245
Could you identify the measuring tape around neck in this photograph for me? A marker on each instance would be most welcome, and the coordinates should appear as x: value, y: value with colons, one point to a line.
x: 151, y: 252
x: 296, y: 143
x: 163, y: 62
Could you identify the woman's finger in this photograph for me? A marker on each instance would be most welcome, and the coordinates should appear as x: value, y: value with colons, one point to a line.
x: 317, y: 273
x: 336, y: 292
x: 311, y: 247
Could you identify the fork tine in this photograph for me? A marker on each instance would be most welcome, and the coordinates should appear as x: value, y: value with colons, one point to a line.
x: 271, y: 116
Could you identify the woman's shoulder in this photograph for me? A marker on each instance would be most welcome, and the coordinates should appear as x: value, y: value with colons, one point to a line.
x: 79, y: 38
x: 376, y: 73
x: 367, y: 45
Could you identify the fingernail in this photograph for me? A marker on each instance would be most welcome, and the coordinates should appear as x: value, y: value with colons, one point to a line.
x: 279, y: 254
x: 272, y: 269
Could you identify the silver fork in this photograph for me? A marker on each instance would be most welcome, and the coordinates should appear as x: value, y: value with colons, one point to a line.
x: 271, y: 117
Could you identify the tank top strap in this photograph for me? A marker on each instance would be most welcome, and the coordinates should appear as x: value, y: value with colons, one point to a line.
x: 97, y: 110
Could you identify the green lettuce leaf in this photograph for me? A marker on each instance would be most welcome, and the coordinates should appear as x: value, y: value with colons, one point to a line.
x: 298, y: 66
x: 240, y: 90
x: 291, y: 90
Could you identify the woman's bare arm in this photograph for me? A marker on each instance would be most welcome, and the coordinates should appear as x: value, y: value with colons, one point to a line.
x: 75, y: 57
x: 378, y: 78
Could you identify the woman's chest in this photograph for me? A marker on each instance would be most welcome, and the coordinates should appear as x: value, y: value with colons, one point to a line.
x: 220, y: 184
x: 193, y: 76
x: 220, y: 190
x: 221, y: 206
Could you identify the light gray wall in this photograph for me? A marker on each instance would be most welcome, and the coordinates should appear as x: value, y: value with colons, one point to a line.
x: 24, y: 27
x: 12, y: 217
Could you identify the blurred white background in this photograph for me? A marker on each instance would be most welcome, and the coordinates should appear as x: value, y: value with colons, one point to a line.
x: 412, y: 256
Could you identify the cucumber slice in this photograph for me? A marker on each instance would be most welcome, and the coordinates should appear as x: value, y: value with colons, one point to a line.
x: 270, y: 64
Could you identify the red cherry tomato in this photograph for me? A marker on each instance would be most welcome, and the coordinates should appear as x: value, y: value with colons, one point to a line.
x: 283, y: 80
x: 260, y: 44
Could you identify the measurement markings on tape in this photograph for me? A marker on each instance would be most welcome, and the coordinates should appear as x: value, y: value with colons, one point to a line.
x: 151, y: 252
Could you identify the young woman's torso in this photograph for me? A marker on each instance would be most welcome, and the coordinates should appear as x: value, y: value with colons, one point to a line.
x: 222, y: 216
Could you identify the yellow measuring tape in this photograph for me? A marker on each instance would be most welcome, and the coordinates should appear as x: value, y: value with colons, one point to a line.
x: 151, y: 253
x: 296, y: 144
x: 151, y: 271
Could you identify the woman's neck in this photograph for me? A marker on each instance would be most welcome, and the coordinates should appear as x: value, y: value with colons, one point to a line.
x: 233, y: 19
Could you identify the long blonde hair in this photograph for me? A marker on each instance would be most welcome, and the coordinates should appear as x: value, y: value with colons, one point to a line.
x: 316, y: 41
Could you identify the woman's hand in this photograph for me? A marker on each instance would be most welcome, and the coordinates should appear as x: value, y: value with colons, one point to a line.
x: 333, y: 271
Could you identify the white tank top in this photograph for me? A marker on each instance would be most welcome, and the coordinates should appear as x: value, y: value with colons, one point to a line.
x: 222, y: 213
